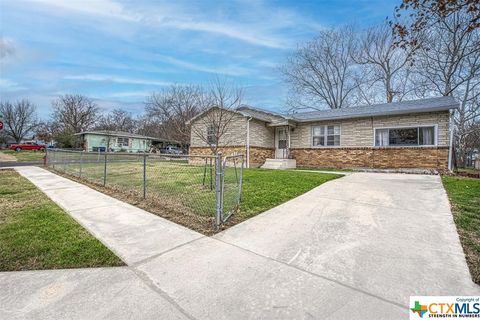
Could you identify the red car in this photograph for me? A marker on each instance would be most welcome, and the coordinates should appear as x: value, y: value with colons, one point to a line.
x: 27, y: 146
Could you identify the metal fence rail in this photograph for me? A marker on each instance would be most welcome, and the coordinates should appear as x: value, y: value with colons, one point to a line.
x: 209, y: 186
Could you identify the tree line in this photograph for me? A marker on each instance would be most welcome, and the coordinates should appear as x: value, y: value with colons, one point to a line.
x: 166, y: 115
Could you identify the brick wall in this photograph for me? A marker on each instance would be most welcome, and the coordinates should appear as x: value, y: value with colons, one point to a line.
x: 370, y: 157
x: 258, y: 155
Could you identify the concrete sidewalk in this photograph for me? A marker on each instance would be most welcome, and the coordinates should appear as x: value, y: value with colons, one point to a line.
x: 355, y: 247
x: 95, y: 293
x: 132, y: 233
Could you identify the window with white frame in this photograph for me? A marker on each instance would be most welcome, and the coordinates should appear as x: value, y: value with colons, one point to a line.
x: 122, y: 142
x: 408, y: 136
x: 326, y: 135
x: 211, y: 135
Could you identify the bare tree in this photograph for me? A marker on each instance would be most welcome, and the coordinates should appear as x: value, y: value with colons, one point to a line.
x: 72, y: 114
x: 220, y: 98
x: 387, y: 69
x: 449, y: 55
x: 19, y: 118
x: 449, y: 61
x: 117, y: 120
x: 148, y: 126
x: 321, y: 72
x: 171, y: 109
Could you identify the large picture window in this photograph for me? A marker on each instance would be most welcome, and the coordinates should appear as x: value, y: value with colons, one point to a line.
x: 408, y: 136
x: 327, y: 135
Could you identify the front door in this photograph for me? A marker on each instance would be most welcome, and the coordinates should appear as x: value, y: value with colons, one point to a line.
x: 281, y: 137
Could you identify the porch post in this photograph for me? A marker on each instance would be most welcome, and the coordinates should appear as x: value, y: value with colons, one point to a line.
x: 288, y: 143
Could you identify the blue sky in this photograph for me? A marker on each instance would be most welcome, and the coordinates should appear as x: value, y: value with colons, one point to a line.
x: 117, y: 52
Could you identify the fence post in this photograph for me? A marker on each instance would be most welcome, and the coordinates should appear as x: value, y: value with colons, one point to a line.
x: 81, y: 163
x: 241, y: 182
x: 218, y: 189
x: 105, y: 170
x: 65, y: 162
x: 144, y: 175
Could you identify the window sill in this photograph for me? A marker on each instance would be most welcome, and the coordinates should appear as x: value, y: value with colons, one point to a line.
x: 325, y: 147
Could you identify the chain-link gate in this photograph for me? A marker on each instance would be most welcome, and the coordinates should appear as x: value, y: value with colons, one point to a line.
x: 229, y: 178
x: 204, y: 185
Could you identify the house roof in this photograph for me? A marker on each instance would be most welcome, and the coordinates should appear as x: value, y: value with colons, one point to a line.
x: 394, y: 108
x: 122, y: 134
x: 260, y: 114
x: 244, y: 110
x: 384, y: 109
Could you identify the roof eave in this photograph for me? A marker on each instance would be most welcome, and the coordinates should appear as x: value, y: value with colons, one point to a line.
x: 379, y: 114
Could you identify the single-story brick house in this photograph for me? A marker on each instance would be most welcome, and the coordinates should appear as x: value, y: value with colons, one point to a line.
x: 401, y: 135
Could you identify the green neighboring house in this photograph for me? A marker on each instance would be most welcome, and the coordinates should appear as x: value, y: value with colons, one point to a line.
x: 118, y: 141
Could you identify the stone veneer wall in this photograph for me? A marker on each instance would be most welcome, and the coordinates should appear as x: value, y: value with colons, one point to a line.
x: 236, y: 133
x: 435, y: 158
x: 261, y: 135
x: 258, y: 155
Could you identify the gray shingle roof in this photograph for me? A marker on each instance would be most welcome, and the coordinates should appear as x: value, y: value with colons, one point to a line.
x: 260, y: 114
x: 394, y: 108
x: 384, y: 109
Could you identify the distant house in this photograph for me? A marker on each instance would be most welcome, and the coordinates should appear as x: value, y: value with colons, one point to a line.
x: 118, y: 141
x: 400, y: 135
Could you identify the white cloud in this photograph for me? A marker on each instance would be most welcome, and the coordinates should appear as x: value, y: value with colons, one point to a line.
x: 106, y: 8
x: 9, y: 86
x: 229, y: 31
x: 225, y: 70
x: 7, y: 48
x: 116, y: 79
x: 259, y: 24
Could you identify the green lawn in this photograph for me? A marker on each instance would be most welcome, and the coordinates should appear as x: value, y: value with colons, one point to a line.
x: 464, y: 194
x: 185, y: 188
x: 37, y: 234
x: 25, y: 155
x: 264, y: 189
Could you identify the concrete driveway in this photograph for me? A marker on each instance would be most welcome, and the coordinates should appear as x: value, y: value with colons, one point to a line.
x: 389, y: 235
x: 356, y: 247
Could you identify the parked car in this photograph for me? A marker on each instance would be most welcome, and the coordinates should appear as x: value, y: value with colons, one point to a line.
x: 27, y: 146
x: 171, y: 150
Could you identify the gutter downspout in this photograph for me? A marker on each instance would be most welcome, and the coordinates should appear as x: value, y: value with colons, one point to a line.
x: 248, y: 141
x: 450, y: 142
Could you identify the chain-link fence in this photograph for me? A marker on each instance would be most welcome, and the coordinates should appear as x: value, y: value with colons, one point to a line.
x: 209, y: 186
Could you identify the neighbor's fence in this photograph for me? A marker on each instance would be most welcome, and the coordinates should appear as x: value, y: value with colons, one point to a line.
x: 203, y: 185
